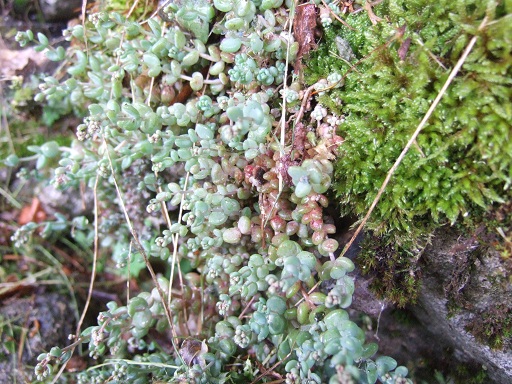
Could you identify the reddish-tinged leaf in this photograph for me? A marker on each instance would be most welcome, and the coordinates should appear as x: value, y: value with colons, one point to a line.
x: 402, y: 51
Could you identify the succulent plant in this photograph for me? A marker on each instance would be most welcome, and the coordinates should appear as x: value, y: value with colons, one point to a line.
x: 187, y: 105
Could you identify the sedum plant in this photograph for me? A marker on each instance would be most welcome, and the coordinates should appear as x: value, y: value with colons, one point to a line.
x: 189, y: 142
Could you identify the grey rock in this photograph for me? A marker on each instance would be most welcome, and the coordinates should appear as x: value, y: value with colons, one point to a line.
x: 344, y: 49
x: 70, y: 202
x: 60, y: 10
x: 47, y: 321
x: 457, y: 273
x: 461, y: 283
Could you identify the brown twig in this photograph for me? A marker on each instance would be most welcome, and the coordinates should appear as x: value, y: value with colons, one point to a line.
x: 246, y: 307
x: 337, y: 17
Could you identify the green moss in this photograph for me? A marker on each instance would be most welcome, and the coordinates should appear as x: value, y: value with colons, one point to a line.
x: 470, y: 374
x: 499, y: 225
x: 464, y: 158
x: 404, y: 317
x: 392, y: 269
x: 326, y: 60
x: 462, y: 162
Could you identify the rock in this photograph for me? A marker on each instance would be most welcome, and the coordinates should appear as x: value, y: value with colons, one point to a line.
x: 10, y: 373
x: 463, y: 286
x: 70, y: 202
x: 16, y: 61
x: 464, y: 289
x: 60, y: 10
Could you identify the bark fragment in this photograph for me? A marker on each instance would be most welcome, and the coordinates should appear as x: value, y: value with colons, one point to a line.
x: 304, y: 26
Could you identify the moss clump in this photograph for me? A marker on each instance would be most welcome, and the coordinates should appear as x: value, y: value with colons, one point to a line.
x: 499, y: 224
x: 463, y: 160
x: 327, y: 60
x: 392, y: 269
x: 470, y: 374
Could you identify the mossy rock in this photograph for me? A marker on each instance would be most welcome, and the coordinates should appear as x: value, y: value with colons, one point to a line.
x: 465, y: 299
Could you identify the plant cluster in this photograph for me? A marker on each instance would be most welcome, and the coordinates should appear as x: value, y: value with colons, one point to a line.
x: 199, y: 143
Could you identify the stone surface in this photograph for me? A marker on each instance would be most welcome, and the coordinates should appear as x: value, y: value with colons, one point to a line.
x: 462, y: 282
x: 38, y: 323
x: 70, y: 202
x: 60, y: 10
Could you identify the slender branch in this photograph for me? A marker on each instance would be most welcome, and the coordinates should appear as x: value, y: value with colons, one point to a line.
x: 175, y: 237
x: 283, y: 113
x: 91, y: 284
x: 203, y: 55
x: 139, y: 247
x: 95, y: 258
x: 210, y: 82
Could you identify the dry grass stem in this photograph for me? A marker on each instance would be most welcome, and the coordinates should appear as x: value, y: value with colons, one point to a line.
x: 138, y: 245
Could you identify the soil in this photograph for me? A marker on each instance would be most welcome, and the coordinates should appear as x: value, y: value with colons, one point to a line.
x: 34, y: 324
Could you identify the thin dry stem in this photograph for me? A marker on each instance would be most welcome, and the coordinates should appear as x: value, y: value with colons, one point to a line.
x: 93, y: 278
x: 369, y: 9
x: 95, y: 258
x: 337, y: 17
x: 309, y: 293
x: 175, y: 239
x: 434, y: 57
x: 305, y: 99
x: 166, y: 214
x: 21, y: 343
x: 84, y: 11
x: 152, y: 84
x: 345, y: 61
x: 283, y: 113
x: 162, y: 6
x: 248, y: 305
x: 128, y: 273
x: 412, y: 140
x: 11, y: 287
x: 132, y: 8
x: 139, y: 247
x: 271, y: 369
